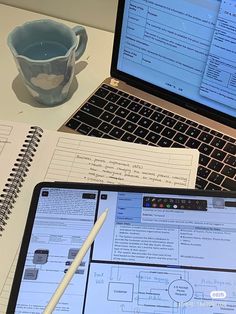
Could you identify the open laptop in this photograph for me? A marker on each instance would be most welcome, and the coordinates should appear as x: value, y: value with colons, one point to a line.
x: 165, y: 251
x: 172, y: 84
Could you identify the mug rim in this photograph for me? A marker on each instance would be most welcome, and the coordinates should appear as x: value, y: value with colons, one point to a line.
x: 38, y: 21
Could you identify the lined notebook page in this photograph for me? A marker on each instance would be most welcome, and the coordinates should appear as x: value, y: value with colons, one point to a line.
x: 5, y: 293
x: 70, y: 157
x: 88, y: 159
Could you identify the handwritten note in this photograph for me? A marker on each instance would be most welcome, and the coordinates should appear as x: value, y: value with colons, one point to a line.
x: 89, y: 160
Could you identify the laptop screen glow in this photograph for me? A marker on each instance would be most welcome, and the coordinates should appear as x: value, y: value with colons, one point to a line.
x: 187, y: 47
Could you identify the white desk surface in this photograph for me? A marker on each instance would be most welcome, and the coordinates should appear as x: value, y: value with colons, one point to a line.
x: 17, y: 104
x: 91, y: 69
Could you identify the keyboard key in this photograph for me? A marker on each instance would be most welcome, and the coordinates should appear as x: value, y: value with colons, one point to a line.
x: 180, y: 126
x: 112, y: 89
x: 167, y: 132
x: 117, y: 121
x: 123, y: 94
x: 229, y: 184
x: 203, y: 128
x: 145, y: 122
x: 205, y: 149
x: 117, y: 133
x: 91, y: 109
x: 134, y: 106
x: 133, y: 117
x: 141, y: 132
x: 215, y: 165
x: 156, y: 127
x: 203, y: 172
x: 122, y: 112
x: 145, y: 103
x: 218, y: 142
x: 107, y: 116
x: 139, y: 140
x: 96, y: 133
x: 157, y: 116
x: 73, y: 124
x: 165, y: 142
x: 193, y: 132
x: 216, y: 133
x: 128, y: 137
x: 152, y: 137
x: 87, y: 119
x: 216, y: 178
x: 218, y: 154
x: 168, y: 113
x: 102, y: 92
x: 192, y: 143
x: 229, y: 139
x: 192, y: 123
x: 129, y: 126
x: 230, y: 148
x: 230, y: 160
x: 99, y: 102
x: 203, y: 160
x: 229, y: 171
x: 105, y: 127
x: 213, y: 187
x: 180, y: 138
x: 136, y: 99
x: 168, y: 121
x: 84, y: 129
x: 111, y: 107
x: 205, y: 137
x: 146, y: 112
x: 112, y: 97
x: 201, y: 183
x: 124, y: 102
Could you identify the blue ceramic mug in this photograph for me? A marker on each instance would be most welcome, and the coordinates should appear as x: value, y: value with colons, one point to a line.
x: 45, y: 52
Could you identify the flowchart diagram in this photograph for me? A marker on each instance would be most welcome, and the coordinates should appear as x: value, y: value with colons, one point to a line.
x: 157, y: 290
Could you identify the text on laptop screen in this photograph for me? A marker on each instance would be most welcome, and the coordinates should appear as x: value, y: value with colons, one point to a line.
x: 154, y: 252
x: 187, y: 47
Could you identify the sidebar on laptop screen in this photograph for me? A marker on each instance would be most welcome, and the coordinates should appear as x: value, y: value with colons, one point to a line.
x: 185, y: 46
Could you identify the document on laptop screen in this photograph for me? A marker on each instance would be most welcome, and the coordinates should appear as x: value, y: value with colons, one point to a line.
x: 219, y: 81
x: 154, y: 252
x: 167, y: 43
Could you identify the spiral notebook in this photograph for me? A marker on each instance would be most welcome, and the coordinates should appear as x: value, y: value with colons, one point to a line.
x: 29, y: 154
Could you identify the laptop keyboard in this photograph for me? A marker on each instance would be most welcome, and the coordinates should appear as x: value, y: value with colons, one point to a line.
x: 111, y: 113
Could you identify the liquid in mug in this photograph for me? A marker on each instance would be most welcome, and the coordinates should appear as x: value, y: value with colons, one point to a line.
x: 44, y: 50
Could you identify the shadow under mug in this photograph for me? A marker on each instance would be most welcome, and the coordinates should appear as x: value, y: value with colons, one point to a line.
x: 45, y: 52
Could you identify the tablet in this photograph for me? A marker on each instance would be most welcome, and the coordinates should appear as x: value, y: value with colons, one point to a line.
x: 165, y: 251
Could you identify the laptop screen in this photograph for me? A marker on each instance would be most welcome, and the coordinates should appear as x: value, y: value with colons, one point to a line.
x: 159, y: 251
x: 186, y: 47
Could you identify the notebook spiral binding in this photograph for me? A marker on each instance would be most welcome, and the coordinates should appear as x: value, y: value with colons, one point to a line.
x: 18, y: 174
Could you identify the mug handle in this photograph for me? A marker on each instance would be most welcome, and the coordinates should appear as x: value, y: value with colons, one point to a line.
x: 80, y: 30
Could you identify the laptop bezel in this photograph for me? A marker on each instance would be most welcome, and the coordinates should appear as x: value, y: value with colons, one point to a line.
x: 171, y: 97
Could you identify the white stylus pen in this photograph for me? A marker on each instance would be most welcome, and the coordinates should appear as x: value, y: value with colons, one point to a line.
x: 75, y: 264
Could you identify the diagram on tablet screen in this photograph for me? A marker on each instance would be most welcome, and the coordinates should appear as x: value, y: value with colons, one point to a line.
x: 147, y: 290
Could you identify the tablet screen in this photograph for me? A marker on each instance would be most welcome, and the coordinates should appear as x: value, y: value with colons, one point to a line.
x: 159, y: 251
